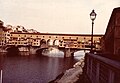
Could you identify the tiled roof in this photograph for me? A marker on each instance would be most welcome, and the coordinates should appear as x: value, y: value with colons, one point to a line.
x: 57, y: 34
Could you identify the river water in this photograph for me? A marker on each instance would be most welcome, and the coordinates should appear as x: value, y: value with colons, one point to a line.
x: 34, y: 69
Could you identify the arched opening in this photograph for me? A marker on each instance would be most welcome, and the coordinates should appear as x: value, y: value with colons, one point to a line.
x: 56, y: 42
x: 12, y: 51
x: 43, y: 43
x: 50, y: 42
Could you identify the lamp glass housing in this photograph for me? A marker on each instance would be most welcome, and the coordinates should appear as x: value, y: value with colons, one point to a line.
x: 93, y: 15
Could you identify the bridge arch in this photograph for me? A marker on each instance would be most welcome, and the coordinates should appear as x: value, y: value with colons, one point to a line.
x: 12, y: 51
x: 56, y: 42
x: 43, y: 41
x: 49, y: 42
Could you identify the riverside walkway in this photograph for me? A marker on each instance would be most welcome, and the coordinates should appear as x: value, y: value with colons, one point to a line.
x: 97, y: 69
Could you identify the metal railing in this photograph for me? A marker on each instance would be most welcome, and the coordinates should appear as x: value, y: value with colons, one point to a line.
x: 99, y: 69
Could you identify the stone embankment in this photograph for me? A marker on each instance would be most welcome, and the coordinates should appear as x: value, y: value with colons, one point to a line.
x: 72, y: 75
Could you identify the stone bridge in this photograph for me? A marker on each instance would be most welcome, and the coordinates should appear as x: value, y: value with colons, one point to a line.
x: 29, y: 50
x: 29, y: 43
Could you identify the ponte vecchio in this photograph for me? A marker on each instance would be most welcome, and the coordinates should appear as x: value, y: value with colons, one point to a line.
x: 20, y: 37
x: 45, y: 40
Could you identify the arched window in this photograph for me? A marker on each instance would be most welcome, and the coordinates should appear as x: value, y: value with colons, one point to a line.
x: 50, y: 42
x: 56, y: 42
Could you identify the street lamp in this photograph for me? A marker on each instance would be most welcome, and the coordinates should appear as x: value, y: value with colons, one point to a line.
x: 92, y: 17
x: 1, y: 58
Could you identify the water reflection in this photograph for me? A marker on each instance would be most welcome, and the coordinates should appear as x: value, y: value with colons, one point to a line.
x: 34, y: 70
x: 80, y: 54
x: 53, y: 52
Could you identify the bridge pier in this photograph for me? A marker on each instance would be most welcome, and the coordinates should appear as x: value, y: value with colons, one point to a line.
x: 67, y: 52
x: 32, y: 51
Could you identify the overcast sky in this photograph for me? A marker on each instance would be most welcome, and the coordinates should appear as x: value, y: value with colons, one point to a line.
x: 58, y: 16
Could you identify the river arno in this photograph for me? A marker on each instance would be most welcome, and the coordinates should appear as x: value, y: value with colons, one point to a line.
x: 34, y: 69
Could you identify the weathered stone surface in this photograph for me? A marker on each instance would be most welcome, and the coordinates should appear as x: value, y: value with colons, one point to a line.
x: 79, y: 63
x: 71, y: 75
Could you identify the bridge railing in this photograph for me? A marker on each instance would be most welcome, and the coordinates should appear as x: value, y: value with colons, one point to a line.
x: 99, y: 69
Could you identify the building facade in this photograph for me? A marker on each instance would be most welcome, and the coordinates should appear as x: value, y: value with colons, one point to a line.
x: 111, y: 39
x: 1, y: 34
x: 51, y: 39
x: 19, y: 36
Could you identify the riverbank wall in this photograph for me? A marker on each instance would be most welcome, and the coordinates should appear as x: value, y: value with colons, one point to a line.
x: 72, y: 75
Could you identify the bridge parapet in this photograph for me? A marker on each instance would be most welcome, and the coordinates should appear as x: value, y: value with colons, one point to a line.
x: 101, y: 70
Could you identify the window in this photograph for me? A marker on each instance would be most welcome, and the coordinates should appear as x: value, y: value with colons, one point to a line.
x: 8, y: 34
x: 76, y: 37
x: 79, y: 42
x: 25, y: 43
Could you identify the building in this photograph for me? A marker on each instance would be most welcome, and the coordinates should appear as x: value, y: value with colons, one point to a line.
x: 24, y: 39
x: 111, y: 39
x: 52, y: 39
x: 19, y: 36
x: 1, y: 34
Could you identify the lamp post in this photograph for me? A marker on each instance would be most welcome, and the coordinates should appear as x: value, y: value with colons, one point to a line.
x: 1, y: 57
x: 92, y: 17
